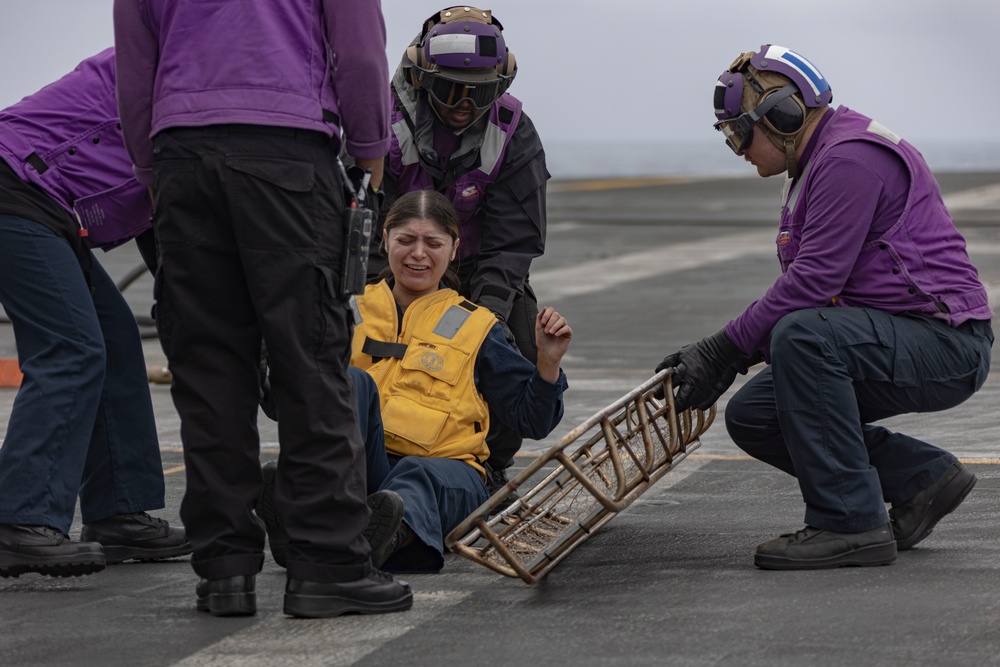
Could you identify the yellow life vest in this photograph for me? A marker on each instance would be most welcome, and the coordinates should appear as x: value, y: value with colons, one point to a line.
x: 424, y: 369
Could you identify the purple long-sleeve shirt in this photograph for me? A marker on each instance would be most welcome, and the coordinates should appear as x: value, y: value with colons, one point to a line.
x: 191, y: 63
x: 65, y: 140
x: 865, y: 226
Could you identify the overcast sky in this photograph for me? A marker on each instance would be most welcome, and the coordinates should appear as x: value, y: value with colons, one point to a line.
x: 645, y: 69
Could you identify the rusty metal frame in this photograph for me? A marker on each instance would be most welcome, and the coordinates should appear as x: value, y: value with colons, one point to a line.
x: 626, y: 448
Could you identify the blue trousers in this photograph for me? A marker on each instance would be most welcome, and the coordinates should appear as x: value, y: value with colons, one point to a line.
x: 82, y: 422
x: 833, y: 372
x: 437, y: 493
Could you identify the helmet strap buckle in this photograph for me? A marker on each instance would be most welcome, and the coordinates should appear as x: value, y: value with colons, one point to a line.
x: 790, y: 160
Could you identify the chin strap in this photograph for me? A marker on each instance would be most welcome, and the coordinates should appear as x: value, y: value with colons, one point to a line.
x: 793, y: 164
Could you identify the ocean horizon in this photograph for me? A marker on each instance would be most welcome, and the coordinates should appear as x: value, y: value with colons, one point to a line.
x: 569, y: 160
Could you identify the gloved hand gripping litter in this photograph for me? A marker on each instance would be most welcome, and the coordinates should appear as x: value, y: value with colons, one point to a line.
x: 703, y: 371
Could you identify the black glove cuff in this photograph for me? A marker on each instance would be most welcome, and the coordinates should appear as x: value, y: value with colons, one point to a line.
x: 722, y: 347
x: 746, y: 361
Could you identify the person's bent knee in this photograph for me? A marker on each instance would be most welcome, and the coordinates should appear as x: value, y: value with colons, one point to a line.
x: 742, y: 422
x: 84, y: 359
x: 797, y: 334
x: 409, y: 465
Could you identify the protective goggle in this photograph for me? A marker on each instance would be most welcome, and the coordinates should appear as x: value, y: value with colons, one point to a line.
x: 739, y: 131
x: 450, y: 94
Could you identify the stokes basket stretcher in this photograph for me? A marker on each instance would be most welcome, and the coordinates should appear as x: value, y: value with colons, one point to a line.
x: 604, y: 464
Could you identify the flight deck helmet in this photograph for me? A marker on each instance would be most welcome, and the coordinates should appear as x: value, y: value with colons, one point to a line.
x: 461, y: 54
x: 776, y: 87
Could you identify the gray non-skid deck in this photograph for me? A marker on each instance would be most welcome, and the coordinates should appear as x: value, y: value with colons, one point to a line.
x: 638, y: 271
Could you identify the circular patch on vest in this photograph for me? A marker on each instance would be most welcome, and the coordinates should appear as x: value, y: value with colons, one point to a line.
x: 432, y: 361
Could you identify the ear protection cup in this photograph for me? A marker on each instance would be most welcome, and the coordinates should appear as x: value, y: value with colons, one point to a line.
x: 415, y: 55
x: 507, y: 69
x: 787, y: 116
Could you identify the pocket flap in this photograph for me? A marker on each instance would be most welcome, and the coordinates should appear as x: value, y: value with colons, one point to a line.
x: 289, y: 175
x: 442, y: 362
x: 407, y: 419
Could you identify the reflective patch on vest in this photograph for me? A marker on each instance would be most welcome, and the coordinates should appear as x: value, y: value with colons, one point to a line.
x: 407, y: 146
x: 881, y: 130
x: 786, y: 189
x: 451, y: 322
x: 784, y: 238
x: 492, y: 149
x: 790, y: 192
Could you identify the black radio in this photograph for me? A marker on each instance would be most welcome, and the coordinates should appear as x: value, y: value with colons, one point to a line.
x: 358, y: 224
x: 358, y: 237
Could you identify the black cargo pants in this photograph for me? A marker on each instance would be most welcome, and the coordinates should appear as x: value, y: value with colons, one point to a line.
x: 249, y: 221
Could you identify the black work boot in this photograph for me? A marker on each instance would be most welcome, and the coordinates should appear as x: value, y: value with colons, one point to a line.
x: 375, y: 593
x: 815, y: 549
x: 496, y: 479
x: 383, y: 524
x: 914, y: 520
x: 46, y: 551
x: 267, y: 509
x: 136, y: 536
x: 230, y: 596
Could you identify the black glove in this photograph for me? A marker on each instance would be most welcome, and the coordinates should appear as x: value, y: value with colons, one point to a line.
x: 266, y: 400
x: 741, y: 366
x: 703, y: 371
x: 370, y: 199
x: 507, y: 333
x: 373, y: 201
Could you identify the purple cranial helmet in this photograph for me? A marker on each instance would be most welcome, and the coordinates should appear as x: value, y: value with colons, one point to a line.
x: 728, y: 95
x: 813, y: 88
x: 781, y: 103
x: 461, y: 55
x: 812, y: 85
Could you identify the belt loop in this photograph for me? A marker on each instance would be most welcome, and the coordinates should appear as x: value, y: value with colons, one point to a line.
x: 37, y: 162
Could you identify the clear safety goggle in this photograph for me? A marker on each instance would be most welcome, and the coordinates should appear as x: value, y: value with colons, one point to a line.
x: 739, y: 131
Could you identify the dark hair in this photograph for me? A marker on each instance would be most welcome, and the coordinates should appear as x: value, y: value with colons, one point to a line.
x: 424, y: 205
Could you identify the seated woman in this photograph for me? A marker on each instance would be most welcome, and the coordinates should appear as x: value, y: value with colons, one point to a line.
x: 434, y: 363
x: 438, y: 361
